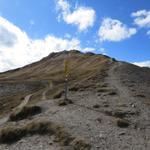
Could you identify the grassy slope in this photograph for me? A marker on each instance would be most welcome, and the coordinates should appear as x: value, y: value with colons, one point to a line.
x: 83, y: 68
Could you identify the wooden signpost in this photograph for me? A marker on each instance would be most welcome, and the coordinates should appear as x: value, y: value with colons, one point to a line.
x: 66, y: 71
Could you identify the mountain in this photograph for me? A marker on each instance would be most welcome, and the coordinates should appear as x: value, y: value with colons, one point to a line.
x: 108, y: 104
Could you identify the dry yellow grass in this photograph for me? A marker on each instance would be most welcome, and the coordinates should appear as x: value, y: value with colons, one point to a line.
x: 83, y: 72
x: 13, y: 133
x: 24, y: 112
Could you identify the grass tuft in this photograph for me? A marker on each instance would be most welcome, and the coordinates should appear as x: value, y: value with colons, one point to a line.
x: 12, y: 133
x: 64, y: 102
x: 24, y: 112
x: 122, y: 123
x: 58, y: 95
x: 79, y: 144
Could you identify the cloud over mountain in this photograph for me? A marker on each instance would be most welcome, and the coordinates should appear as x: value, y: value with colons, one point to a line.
x: 143, y: 63
x: 18, y: 49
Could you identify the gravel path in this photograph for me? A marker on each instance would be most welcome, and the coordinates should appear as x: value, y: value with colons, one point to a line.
x: 114, y: 81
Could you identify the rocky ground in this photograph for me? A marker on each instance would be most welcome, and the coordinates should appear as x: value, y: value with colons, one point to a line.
x: 112, y: 115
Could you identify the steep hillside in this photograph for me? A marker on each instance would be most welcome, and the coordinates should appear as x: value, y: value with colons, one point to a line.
x: 50, y: 70
x: 51, y: 67
x: 109, y: 109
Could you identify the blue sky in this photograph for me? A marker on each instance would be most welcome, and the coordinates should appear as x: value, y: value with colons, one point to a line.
x: 31, y: 29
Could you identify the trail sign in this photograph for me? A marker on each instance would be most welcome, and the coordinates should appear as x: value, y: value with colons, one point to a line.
x: 66, y: 68
x: 66, y: 71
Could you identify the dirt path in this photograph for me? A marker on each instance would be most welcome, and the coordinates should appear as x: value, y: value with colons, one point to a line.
x: 44, y: 94
x: 25, y: 101
x: 22, y: 104
x: 3, y: 120
x: 115, y: 82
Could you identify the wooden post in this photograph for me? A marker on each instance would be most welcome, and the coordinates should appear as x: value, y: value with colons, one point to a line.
x: 66, y: 78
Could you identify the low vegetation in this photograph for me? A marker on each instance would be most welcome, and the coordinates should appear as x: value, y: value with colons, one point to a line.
x: 112, y: 93
x: 12, y: 133
x: 122, y: 123
x: 96, y: 106
x: 79, y: 144
x: 75, y: 88
x: 64, y: 102
x: 103, y: 90
x: 140, y: 95
x: 24, y: 112
x: 120, y: 113
x: 101, y: 85
x: 58, y: 94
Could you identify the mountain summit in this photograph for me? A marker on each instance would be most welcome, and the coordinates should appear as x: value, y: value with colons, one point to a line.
x: 109, y: 104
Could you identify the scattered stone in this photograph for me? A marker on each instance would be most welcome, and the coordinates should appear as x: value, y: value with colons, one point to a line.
x: 99, y: 120
x: 122, y: 123
x: 103, y: 90
x: 122, y: 133
x: 87, y: 124
x: 140, y: 95
x: 106, y: 105
x: 133, y: 105
x: 112, y: 93
x: 131, y: 85
x: 96, y: 106
x: 64, y: 102
x: 50, y: 143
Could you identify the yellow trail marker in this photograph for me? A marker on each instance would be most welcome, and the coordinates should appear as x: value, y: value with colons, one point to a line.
x: 66, y: 68
x: 66, y: 71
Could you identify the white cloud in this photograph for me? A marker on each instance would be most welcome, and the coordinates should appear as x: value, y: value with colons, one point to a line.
x: 82, y: 17
x: 103, y: 51
x: 148, y: 33
x: 63, y: 5
x: 32, y: 22
x: 88, y: 49
x: 7, y: 38
x: 141, y: 18
x: 17, y: 49
x: 114, y: 30
x: 67, y: 35
x: 143, y: 64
